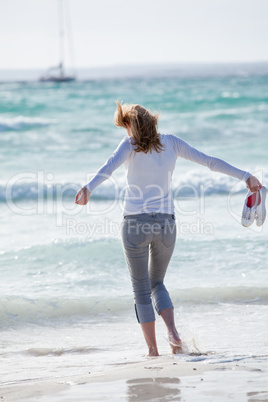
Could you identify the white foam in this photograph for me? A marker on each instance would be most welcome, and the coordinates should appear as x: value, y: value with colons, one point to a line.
x: 19, y: 123
x: 190, y: 184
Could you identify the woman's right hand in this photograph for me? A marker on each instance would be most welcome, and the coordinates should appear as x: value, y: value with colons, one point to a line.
x: 253, y: 184
x: 82, y: 196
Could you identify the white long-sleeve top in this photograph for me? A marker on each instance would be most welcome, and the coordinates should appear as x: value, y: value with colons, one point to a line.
x: 149, y: 175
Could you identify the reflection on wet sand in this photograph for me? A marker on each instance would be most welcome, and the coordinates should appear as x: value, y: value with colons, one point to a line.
x: 147, y: 389
x: 259, y: 396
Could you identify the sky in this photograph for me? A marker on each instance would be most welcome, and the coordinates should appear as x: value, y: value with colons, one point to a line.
x: 115, y: 32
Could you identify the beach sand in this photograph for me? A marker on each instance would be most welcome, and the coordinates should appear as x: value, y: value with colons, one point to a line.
x: 156, y: 379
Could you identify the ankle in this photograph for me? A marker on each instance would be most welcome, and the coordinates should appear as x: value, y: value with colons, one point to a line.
x: 153, y: 351
x: 173, y: 336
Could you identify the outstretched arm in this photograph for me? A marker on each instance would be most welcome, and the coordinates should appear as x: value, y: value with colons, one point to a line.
x: 116, y: 159
x: 185, y: 151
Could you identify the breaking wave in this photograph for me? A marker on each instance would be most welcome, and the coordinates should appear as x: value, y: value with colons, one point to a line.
x: 21, y: 123
x: 20, y: 310
x: 191, y: 184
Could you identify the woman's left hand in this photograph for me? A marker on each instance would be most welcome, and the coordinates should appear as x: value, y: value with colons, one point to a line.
x: 253, y: 184
x: 82, y: 196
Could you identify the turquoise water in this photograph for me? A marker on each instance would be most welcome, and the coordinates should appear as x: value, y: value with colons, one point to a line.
x: 64, y: 282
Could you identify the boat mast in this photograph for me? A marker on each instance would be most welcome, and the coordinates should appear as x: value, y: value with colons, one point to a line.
x: 63, y: 23
x: 61, y: 36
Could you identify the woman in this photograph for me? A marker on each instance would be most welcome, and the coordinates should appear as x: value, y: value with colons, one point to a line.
x: 149, y: 229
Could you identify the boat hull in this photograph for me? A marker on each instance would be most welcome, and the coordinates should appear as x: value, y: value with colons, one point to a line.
x: 57, y: 79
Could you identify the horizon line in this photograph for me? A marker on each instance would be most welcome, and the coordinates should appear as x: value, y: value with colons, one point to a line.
x: 149, y: 64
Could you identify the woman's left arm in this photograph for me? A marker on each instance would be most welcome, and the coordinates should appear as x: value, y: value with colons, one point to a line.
x: 116, y: 159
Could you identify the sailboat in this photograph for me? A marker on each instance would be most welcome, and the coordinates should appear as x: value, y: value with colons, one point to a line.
x: 57, y: 73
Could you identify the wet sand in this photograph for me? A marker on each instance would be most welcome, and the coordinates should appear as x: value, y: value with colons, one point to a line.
x: 156, y: 379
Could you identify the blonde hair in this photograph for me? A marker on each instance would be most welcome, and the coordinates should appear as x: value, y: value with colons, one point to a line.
x: 143, y: 126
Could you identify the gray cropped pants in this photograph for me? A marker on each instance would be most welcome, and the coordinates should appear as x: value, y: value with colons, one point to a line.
x: 148, y: 241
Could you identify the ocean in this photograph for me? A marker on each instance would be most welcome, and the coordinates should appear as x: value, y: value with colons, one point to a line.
x: 66, y: 304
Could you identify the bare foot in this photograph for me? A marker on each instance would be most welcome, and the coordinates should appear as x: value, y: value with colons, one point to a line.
x: 175, y: 343
x: 153, y: 351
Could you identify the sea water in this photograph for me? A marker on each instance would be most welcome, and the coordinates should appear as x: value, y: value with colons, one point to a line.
x: 66, y: 304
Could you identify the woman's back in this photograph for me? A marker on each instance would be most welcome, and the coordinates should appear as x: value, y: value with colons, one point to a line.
x: 149, y: 179
x: 150, y: 158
